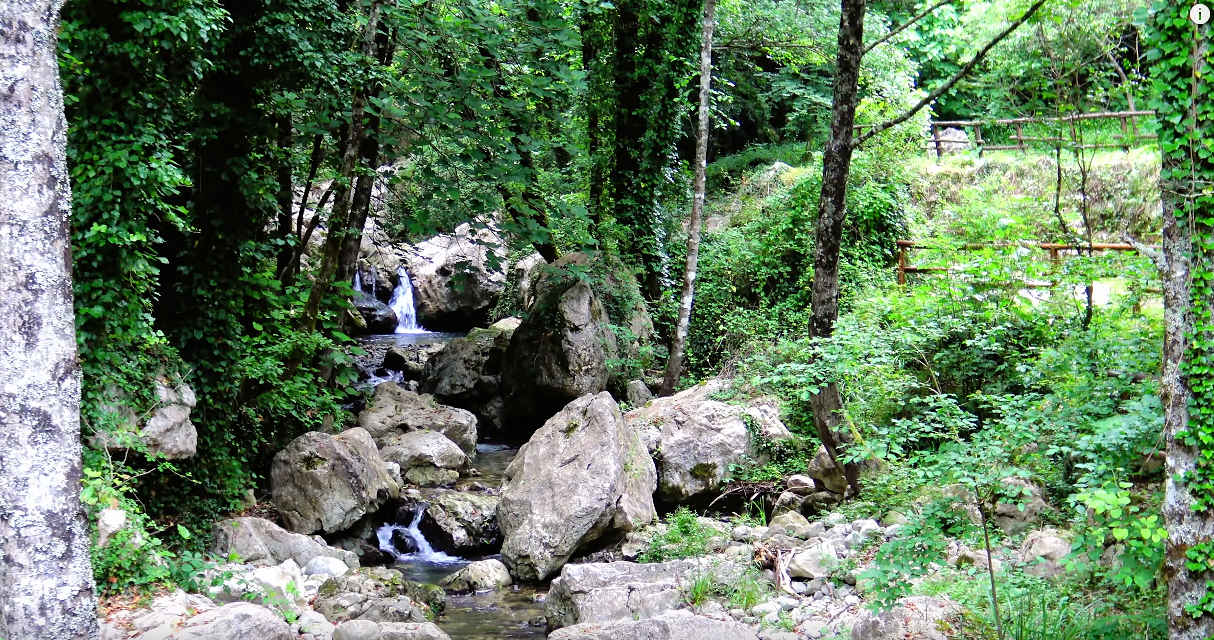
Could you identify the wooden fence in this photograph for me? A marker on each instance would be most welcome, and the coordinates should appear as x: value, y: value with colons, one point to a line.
x: 1055, y: 250
x: 1130, y: 134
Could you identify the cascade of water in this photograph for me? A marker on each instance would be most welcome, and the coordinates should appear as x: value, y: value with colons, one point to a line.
x: 424, y: 553
x: 358, y: 280
x: 402, y: 304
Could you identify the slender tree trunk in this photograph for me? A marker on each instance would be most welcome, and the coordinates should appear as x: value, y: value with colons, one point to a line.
x: 1187, y: 259
x: 674, y: 366
x: 339, y: 217
x: 836, y: 165
x: 46, y: 581
x: 286, y: 194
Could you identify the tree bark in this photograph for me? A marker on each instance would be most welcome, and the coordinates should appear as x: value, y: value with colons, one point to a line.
x: 828, y: 238
x: 674, y: 365
x: 339, y: 217
x: 46, y: 581
x: 1187, y: 251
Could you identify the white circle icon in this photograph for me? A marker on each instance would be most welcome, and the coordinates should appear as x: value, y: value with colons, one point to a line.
x: 1199, y: 14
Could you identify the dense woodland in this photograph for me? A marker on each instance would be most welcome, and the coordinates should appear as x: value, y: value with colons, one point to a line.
x: 848, y: 313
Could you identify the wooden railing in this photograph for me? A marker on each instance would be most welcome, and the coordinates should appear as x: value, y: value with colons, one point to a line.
x: 1130, y: 134
x: 1055, y: 250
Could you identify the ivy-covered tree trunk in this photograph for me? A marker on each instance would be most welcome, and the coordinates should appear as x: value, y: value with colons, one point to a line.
x: 828, y: 238
x: 1182, y: 64
x: 674, y: 365
x: 46, y: 581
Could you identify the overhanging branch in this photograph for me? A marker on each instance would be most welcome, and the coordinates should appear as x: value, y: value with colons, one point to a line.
x: 904, y: 25
x: 953, y: 80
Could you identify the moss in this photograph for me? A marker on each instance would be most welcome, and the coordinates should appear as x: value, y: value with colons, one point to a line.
x: 704, y: 471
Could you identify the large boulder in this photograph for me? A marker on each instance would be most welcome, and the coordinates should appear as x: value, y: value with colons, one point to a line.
x: 166, y: 614
x: 483, y: 575
x: 695, y: 439
x: 236, y: 621
x: 459, y: 522
x: 559, y: 353
x: 370, y: 630
x: 467, y: 372
x: 584, y: 476
x: 375, y: 593
x: 168, y: 431
x: 261, y: 542
x: 1043, y: 552
x: 611, y: 591
x: 424, y: 448
x: 525, y: 274
x: 917, y: 617
x: 377, y: 316
x: 672, y: 625
x: 394, y: 409
x: 458, y: 277
x: 325, y: 483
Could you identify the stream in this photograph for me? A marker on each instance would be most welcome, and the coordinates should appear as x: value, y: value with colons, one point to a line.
x: 514, y: 613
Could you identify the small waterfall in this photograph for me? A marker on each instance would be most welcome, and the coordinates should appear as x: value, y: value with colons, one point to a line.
x: 424, y: 553
x: 359, y: 282
x: 402, y: 304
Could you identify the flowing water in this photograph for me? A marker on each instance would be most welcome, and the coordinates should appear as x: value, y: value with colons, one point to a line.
x: 402, y: 304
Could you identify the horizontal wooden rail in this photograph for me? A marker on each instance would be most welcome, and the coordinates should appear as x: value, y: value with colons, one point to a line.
x: 1055, y: 250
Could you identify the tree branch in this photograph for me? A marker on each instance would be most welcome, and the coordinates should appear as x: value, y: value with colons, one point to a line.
x: 953, y: 80
x: 904, y: 25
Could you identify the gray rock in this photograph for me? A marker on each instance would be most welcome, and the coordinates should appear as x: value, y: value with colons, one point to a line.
x: 823, y: 470
x: 672, y: 625
x: 525, y: 274
x: 1043, y: 552
x: 560, y: 351
x: 606, y: 592
x: 357, y: 630
x: 637, y: 394
x: 951, y: 140
x: 166, y: 613
x: 584, y: 475
x: 461, y: 523
x: 482, y: 575
x: 411, y: 631
x: 801, y: 485
x: 377, y: 316
x: 424, y: 448
x: 1010, y: 516
x: 467, y: 372
x: 818, y: 561
x: 168, y: 432
x: 918, y: 617
x: 326, y: 566
x: 370, y: 593
x: 322, y: 482
x: 427, y: 476
x: 458, y: 277
x: 394, y: 410
x: 261, y: 542
x: 790, y: 523
x: 236, y: 621
x: 699, y: 438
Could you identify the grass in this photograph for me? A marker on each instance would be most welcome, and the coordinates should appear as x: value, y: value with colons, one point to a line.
x: 682, y: 535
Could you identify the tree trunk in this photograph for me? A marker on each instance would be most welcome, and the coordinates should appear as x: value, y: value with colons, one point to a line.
x: 339, y: 217
x: 674, y: 365
x: 46, y: 581
x: 1187, y: 261
x: 836, y: 164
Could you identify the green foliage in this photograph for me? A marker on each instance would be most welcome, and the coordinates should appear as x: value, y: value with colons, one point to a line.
x: 907, y: 557
x: 701, y: 587
x: 681, y: 535
x: 1114, y: 517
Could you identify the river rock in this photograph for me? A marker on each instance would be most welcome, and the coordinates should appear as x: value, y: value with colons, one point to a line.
x: 559, y: 352
x: 817, y: 561
x: 370, y: 593
x: 260, y: 542
x: 582, y: 477
x: 167, y: 433
x: 483, y: 575
x: 610, y: 591
x: 369, y: 630
x: 236, y: 621
x: 1018, y: 514
x: 411, y: 359
x: 428, y: 476
x: 394, y: 409
x: 918, y: 617
x: 424, y: 448
x: 378, y: 317
x: 525, y: 274
x: 461, y: 523
x: 825, y: 473
x: 671, y: 625
x: 458, y: 277
x: 699, y: 438
x: 166, y: 613
x: 637, y: 393
x: 1043, y: 552
x: 325, y: 483
x: 467, y: 372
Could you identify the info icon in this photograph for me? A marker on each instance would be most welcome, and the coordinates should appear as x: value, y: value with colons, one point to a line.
x: 1199, y: 14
